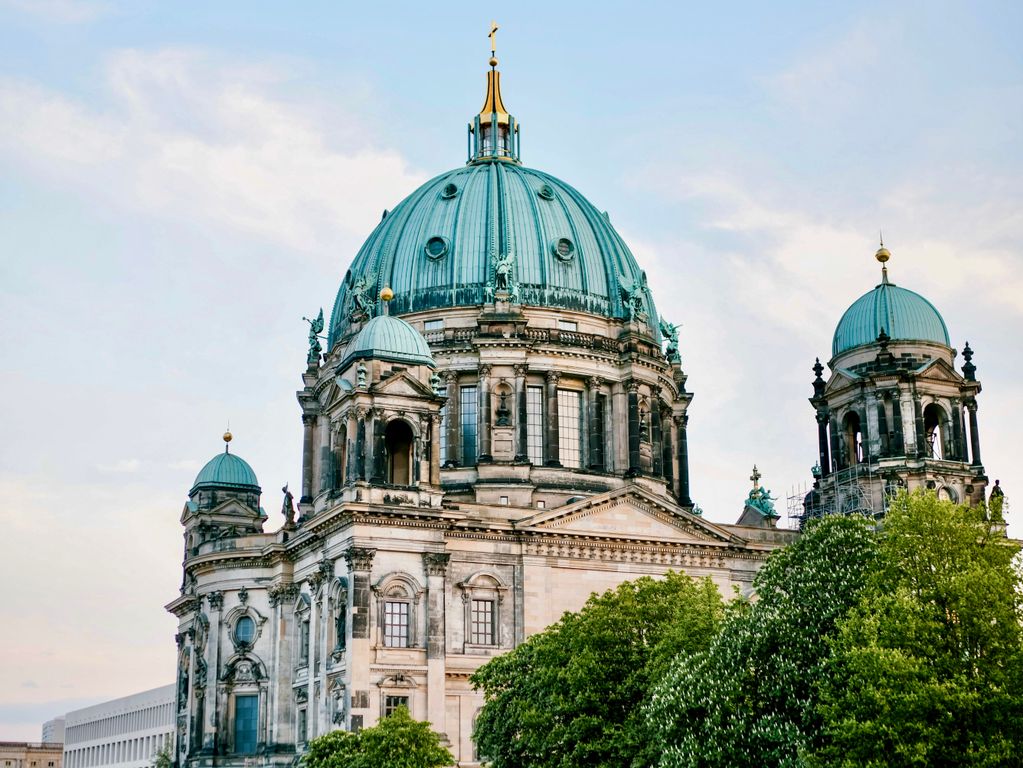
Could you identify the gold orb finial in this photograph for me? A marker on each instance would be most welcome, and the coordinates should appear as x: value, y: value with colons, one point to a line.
x: 883, y: 254
x: 386, y: 294
x: 228, y: 437
x: 493, y: 61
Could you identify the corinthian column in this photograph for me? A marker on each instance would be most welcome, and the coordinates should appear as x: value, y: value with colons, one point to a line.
x: 553, y: 447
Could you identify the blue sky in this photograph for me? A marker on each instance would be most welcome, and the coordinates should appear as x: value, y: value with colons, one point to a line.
x: 181, y: 182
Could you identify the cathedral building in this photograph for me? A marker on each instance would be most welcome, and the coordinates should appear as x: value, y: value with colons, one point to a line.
x: 495, y: 429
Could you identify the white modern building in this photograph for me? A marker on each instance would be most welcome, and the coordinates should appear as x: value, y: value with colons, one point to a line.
x: 125, y: 732
x: 53, y: 731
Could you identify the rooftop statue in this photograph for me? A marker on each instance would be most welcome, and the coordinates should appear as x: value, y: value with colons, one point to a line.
x: 670, y: 333
x: 363, y: 295
x: 502, y: 272
x: 315, y: 329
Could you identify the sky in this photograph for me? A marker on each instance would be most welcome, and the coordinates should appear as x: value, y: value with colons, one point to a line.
x: 182, y: 182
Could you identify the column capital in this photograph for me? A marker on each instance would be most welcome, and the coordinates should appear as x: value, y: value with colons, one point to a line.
x: 435, y: 563
x: 215, y: 599
x: 521, y: 369
x: 553, y: 377
x: 449, y: 376
x: 308, y: 419
x: 360, y: 558
x: 282, y: 593
x: 631, y: 386
x: 484, y: 370
x: 594, y: 382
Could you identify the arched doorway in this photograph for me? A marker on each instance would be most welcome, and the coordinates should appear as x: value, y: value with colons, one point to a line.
x: 935, y: 431
x: 853, y: 439
x: 398, y: 440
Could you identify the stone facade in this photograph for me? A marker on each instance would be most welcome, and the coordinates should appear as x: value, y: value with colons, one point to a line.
x: 22, y: 754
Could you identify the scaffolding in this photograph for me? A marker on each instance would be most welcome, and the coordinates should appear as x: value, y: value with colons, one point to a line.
x: 858, y: 489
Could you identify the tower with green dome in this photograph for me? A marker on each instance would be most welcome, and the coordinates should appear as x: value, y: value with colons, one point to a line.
x: 895, y: 412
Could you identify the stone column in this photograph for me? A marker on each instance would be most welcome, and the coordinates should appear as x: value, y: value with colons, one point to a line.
x: 325, y: 462
x: 552, y: 447
x: 918, y: 419
x: 871, y: 431
x: 822, y: 443
x: 352, y: 451
x: 836, y: 449
x: 308, y: 422
x: 634, y: 460
x: 667, y: 459
x: 958, y: 446
x: 485, y: 410
x: 435, y: 428
x: 435, y: 564
x: 314, y: 652
x: 619, y: 459
x: 210, y: 741
x: 360, y: 564
x: 683, y: 461
x: 322, y: 631
x: 971, y: 406
x: 454, y: 457
x: 898, y: 438
x: 655, y: 430
x: 282, y: 605
x: 882, y: 429
x: 360, y: 444
x: 521, y: 417
x: 378, y: 460
x: 594, y: 442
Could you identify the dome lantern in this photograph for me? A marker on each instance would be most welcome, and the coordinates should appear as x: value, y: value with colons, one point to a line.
x: 493, y: 133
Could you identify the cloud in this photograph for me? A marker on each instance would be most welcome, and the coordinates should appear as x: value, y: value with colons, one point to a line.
x: 120, y: 466
x: 186, y: 135
x: 58, y: 11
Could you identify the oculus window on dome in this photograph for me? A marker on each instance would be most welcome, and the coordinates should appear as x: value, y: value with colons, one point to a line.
x: 436, y: 247
x: 546, y: 192
x: 563, y: 248
x: 449, y: 191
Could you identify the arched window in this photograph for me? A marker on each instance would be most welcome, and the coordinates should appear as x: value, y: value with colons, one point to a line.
x: 245, y: 630
x: 936, y: 431
x: 398, y: 597
x: 398, y: 440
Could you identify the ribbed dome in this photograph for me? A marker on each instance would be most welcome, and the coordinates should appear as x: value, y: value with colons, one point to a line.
x: 389, y: 338
x: 903, y: 314
x: 439, y: 246
x: 225, y: 470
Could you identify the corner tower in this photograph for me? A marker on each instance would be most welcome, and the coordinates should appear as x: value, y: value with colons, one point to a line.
x: 895, y: 412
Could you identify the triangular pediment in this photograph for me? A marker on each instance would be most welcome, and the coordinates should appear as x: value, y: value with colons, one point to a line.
x: 840, y: 379
x: 628, y: 513
x: 403, y: 385
x: 938, y: 370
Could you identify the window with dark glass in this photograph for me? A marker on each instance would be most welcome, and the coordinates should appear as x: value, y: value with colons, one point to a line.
x: 534, y: 424
x: 391, y: 703
x: 303, y: 726
x: 597, y: 460
x: 443, y: 427
x: 396, y: 624
x: 469, y: 414
x: 245, y: 630
x: 246, y: 715
x: 303, y: 642
x: 569, y: 428
x: 482, y: 630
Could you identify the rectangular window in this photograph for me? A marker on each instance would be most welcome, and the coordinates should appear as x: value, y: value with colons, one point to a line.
x: 246, y: 715
x: 469, y: 416
x: 534, y: 424
x: 569, y: 431
x: 600, y: 410
x: 396, y: 615
x: 433, y: 325
x: 303, y: 642
x: 482, y: 630
x: 443, y: 427
x: 391, y: 703
x: 568, y: 325
x: 303, y: 726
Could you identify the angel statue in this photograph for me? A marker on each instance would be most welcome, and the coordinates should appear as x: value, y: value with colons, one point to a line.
x: 670, y: 334
x: 502, y: 272
x: 362, y: 298
x: 315, y: 329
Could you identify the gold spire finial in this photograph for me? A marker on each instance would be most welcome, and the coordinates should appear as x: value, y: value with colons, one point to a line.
x: 386, y: 294
x: 228, y: 437
x: 882, y: 255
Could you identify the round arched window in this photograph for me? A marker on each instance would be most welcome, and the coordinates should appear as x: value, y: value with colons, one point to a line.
x: 546, y: 192
x: 245, y: 630
x: 436, y: 247
x: 563, y: 248
x: 449, y: 191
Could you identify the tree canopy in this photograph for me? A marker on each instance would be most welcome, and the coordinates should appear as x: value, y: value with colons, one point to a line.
x: 571, y: 696
x: 397, y: 741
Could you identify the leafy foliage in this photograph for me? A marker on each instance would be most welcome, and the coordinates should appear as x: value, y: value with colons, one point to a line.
x: 571, y: 696
x: 396, y: 741
x: 928, y: 667
x: 162, y: 758
x: 751, y: 699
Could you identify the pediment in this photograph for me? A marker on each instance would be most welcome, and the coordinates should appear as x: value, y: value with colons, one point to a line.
x: 841, y: 378
x: 403, y: 385
x: 629, y: 513
x: 939, y: 370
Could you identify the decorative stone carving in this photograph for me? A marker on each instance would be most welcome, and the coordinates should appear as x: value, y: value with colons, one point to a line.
x: 216, y: 600
x: 282, y: 593
x: 435, y: 563
x: 360, y: 558
x: 243, y: 595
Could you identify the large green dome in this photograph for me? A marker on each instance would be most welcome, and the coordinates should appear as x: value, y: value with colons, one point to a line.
x: 903, y: 314
x: 225, y: 470
x: 439, y: 246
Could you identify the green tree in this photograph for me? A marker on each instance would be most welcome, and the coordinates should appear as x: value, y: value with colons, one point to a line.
x: 396, y: 741
x: 162, y: 758
x: 928, y: 668
x: 751, y: 698
x: 571, y: 696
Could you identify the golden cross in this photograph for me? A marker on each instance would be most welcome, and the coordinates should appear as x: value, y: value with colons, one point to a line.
x: 493, y: 37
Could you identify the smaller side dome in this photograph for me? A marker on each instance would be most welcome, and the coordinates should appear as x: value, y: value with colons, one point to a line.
x: 228, y: 471
x: 388, y: 338
x: 903, y: 314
